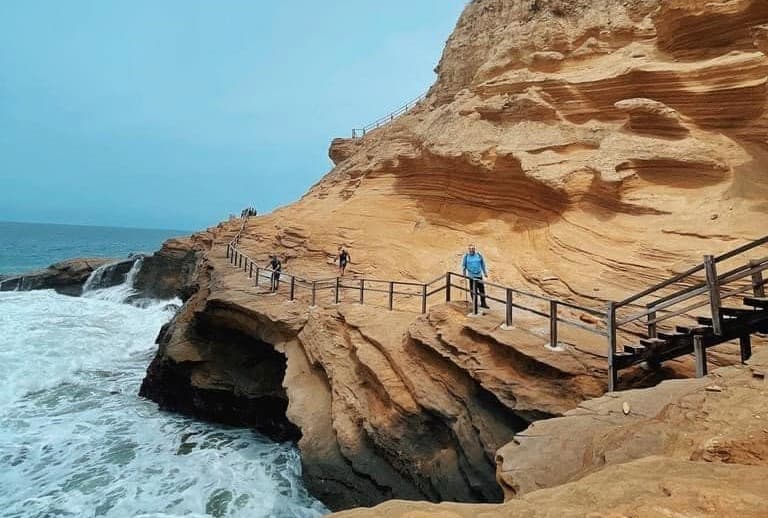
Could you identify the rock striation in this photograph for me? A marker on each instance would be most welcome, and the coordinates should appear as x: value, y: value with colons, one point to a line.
x: 170, y: 272
x: 364, y: 396
x: 687, y: 446
x: 589, y: 149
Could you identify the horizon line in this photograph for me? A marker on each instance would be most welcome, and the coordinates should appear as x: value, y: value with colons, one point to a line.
x: 94, y: 226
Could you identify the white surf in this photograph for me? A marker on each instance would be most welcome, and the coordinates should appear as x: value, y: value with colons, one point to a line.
x: 76, y: 440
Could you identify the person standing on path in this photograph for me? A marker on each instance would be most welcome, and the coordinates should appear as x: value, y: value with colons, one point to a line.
x: 343, y: 259
x: 473, y: 266
x: 276, y: 266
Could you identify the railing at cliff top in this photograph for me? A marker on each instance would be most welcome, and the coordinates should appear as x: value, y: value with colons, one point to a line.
x: 360, y: 132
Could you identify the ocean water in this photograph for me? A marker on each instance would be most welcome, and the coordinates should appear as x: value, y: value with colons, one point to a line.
x: 30, y: 246
x: 76, y: 440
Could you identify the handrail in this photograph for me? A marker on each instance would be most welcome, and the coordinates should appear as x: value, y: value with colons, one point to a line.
x: 723, y: 277
x: 660, y: 285
x: 543, y: 298
x: 440, y: 279
x: 737, y: 251
x: 360, y: 132
x: 700, y: 267
x: 696, y: 290
x: 423, y: 293
x: 716, y: 286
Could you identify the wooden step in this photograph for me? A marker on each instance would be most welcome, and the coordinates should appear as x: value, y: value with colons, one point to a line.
x: 707, y: 321
x: 650, y: 343
x: 737, y: 312
x: 694, y: 330
x: 670, y: 336
x: 624, y: 359
x: 757, y: 302
x: 634, y: 349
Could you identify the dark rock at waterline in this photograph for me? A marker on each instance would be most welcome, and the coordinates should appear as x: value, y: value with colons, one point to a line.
x: 169, y: 272
x: 68, y: 277
x: 244, y: 389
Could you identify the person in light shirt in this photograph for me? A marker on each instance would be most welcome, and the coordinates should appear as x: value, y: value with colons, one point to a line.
x: 473, y: 266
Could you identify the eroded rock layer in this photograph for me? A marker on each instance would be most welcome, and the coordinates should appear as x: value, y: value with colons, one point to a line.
x: 697, y: 446
x: 589, y: 149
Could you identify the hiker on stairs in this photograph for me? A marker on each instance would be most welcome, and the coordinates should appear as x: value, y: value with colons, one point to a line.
x: 473, y: 266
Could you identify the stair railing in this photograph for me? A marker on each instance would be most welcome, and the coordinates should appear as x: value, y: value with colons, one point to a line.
x: 711, y: 290
x: 394, y: 291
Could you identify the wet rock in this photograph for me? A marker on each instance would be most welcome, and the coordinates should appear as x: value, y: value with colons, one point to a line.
x: 66, y: 277
x: 169, y: 272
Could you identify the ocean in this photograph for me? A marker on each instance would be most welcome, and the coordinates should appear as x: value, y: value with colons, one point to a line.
x: 75, y: 438
x: 31, y: 246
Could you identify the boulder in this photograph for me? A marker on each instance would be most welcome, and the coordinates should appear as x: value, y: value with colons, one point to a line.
x: 66, y: 277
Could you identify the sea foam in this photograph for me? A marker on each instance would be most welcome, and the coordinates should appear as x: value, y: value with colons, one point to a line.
x: 76, y: 440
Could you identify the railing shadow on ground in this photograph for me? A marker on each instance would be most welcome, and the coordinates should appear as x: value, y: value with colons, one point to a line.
x: 693, y: 294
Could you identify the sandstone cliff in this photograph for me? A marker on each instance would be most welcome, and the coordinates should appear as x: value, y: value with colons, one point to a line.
x: 694, y: 447
x: 589, y: 149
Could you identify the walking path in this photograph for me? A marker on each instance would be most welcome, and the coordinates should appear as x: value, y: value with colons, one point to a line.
x: 699, y: 300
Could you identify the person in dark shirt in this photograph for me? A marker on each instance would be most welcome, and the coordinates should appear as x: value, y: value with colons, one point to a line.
x: 276, y: 266
x: 343, y: 259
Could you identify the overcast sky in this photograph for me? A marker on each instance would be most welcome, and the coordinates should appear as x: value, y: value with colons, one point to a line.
x: 175, y: 113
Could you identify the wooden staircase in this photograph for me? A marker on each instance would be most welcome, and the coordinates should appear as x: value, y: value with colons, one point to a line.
x: 679, y: 309
x: 737, y: 323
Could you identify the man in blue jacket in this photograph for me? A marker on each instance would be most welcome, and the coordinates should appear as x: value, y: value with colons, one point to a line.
x: 473, y: 266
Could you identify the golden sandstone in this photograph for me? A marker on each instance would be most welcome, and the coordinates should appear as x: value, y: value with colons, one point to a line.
x: 584, y: 146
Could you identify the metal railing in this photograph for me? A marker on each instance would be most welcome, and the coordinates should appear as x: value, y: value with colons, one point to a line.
x: 652, y: 306
x: 420, y: 295
x: 360, y: 132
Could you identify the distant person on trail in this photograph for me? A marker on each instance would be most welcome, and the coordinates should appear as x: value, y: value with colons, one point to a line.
x: 343, y: 258
x: 276, y: 266
x: 473, y: 266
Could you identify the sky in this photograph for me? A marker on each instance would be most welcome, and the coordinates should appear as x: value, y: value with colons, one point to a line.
x: 177, y: 113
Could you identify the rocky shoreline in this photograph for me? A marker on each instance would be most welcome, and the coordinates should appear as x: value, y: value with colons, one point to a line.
x: 68, y: 277
x: 401, y: 409
x: 165, y: 274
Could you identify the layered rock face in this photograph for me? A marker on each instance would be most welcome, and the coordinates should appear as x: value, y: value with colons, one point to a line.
x: 171, y: 271
x: 383, y: 404
x: 687, y: 447
x: 588, y: 148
